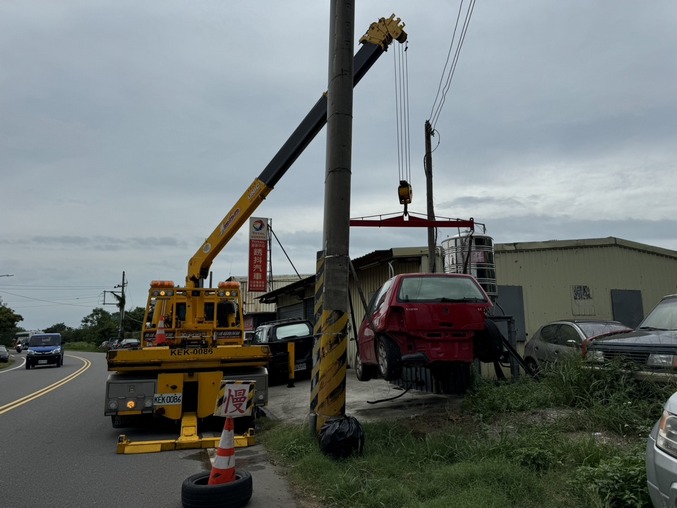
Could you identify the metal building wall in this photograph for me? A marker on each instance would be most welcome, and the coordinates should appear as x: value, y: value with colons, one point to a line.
x: 555, y: 274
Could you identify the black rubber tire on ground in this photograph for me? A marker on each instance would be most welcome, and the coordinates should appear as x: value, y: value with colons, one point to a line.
x: 196, y: 493
x: 389, y: 359
x: 28, y: 366
x: 363, y: 372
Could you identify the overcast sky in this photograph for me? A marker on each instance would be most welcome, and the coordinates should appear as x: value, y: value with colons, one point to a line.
x: 129, y: 128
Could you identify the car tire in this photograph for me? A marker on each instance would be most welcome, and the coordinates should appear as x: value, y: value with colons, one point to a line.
x: 533, y: 366
x: 363, y: 372
x: 28, y: 366
x: 389, y: 359
x: 196, y: 493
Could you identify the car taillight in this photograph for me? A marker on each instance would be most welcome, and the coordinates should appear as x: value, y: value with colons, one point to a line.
x: 395, y: 320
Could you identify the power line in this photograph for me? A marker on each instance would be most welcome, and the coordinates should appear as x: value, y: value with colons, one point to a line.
x: 449, y: 70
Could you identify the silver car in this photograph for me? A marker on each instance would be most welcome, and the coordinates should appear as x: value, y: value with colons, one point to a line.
x: 661, y: 457
x: 565, y: 338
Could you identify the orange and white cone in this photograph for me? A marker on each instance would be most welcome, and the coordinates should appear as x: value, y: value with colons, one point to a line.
x: 160, y: 337
x: 223, y: 467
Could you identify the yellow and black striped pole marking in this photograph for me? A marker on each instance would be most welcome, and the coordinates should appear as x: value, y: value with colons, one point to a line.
x: 317, y: 331
x: 331, y: 388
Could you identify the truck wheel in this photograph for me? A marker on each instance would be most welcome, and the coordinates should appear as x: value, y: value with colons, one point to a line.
x: 196, y: 493
x: 389, y: 359
x: 363, y: 372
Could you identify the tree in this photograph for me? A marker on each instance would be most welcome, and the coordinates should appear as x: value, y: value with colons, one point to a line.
x: 8, y: 321
x: 99, y: 326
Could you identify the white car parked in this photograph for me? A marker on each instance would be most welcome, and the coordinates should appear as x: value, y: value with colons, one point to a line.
x: 661, y: 457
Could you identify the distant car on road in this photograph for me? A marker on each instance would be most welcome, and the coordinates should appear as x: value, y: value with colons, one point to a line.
x: 651, y: 349
x: 564, y: 338
x: 44, y: 349
x: 277, y: 335
x: 4, y: 354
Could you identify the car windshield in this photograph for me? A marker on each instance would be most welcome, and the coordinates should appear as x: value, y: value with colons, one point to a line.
x: 594, y: 329
x: 440, y: 289
x: 45, y: 340
x: 663, y: 317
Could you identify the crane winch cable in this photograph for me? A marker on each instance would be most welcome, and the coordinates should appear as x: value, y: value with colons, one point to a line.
x: 402, y: 112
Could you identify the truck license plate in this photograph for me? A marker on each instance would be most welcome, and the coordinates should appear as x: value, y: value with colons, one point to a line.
x: 299, y: 366
x: 167, y: 399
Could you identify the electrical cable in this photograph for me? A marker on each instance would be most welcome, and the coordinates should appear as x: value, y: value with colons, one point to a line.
x: 284, y: 251
x: 450, y: 69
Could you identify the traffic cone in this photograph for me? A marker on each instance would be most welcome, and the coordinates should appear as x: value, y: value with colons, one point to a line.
x: 160, y: 337
x: 223, y: 468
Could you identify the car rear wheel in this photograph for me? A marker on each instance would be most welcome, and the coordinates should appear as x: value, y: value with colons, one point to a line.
x: 363, y: 372
x: 389, y: 359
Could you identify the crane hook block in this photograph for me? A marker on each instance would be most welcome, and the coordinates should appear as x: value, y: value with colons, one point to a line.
x: 404, y: 192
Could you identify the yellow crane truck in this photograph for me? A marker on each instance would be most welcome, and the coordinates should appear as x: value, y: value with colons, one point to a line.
x: 193, y: 336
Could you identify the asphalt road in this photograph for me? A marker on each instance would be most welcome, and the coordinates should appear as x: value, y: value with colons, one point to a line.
x: 58, y: 449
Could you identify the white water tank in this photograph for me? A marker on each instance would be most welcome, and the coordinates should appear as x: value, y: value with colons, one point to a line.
x: 473, y: 254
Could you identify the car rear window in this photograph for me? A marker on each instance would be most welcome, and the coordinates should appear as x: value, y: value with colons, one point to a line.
x: 439, y: 289
x: 291, y: 330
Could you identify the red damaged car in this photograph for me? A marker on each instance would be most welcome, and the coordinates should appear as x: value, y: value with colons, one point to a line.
x: 433, y: 320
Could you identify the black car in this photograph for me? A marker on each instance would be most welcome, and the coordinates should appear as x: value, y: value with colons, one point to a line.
x: 129, y: 344
x: 4, y: 354
x: 278, y: 335
x: 651, y: 348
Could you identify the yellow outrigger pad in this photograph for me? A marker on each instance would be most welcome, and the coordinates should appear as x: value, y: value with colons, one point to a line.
x: 188, y: 439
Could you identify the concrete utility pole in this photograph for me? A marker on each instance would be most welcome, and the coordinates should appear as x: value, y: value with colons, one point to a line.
x: 328, y: 395
x: 121, y: 301
x: 120, y: 304
x: 428, y: 169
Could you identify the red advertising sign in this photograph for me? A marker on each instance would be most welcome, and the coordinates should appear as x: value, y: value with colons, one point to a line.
x: 258, y: 255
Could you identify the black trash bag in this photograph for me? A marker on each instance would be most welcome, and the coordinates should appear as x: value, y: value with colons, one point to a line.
x: 342, y: 437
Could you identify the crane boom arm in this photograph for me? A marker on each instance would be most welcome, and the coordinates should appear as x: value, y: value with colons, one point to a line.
x: 374, y: 43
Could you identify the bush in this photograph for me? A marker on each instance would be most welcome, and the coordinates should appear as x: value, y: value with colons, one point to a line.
x: 617, y: 481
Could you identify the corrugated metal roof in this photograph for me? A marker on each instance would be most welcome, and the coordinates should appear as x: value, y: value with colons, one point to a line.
x: 577, y: 244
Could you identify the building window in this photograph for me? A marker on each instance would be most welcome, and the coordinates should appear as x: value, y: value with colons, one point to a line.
x: 582, y: 303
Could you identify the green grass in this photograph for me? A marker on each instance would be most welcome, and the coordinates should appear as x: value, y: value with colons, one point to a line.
x: 574, y: 438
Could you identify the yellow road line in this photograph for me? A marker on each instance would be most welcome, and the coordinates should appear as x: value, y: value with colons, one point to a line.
x: 43, y: 391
